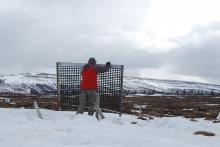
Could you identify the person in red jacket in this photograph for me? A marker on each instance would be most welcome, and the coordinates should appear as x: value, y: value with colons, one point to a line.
x: 88, y: 85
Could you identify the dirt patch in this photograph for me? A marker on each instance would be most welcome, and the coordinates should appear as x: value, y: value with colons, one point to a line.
x: 204, y: 133
x: 148, y: 106
x: 28, y: 102
x: 163, y: 106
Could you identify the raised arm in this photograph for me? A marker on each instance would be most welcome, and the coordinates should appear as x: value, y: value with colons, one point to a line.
x: 100, y: 68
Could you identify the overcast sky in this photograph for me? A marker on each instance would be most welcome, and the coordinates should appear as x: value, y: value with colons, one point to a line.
x: 166, y: 39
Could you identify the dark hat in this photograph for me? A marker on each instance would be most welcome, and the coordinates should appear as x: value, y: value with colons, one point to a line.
x: 92, y: 61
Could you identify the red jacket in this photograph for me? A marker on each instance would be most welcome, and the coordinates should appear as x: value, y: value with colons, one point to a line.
x: 89, y: 78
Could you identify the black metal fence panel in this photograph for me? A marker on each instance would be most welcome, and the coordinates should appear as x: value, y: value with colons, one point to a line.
x: 110, y: 86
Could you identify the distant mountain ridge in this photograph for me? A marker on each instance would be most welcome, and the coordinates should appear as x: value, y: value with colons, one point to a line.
x: 43, y: 83
x: 28, y: 83
x: 158, y: 86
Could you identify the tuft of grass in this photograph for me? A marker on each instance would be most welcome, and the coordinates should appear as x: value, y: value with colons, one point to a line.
x: 133, y: 122
x: 216, y: 121
x: 194, y: 120
x: 142, y: 118
x: 205, y: 133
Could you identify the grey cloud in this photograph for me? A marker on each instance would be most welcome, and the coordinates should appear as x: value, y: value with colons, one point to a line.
x: 199, y: 53
x: 38, y: 33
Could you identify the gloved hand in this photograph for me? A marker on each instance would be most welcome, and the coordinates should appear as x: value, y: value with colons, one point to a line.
x: 108, y: 64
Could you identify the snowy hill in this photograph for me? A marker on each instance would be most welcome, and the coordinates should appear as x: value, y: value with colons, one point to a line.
x: 22, y: 128
x: 28, y: 83
x: 43, y: 83
x: 145, y: 85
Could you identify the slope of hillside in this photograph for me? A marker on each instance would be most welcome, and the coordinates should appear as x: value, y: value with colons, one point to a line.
x: 167, y: 86
x: 28, y: 83
x: 43, y: 83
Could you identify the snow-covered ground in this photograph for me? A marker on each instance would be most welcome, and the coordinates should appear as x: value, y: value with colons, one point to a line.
x: 22, y: 128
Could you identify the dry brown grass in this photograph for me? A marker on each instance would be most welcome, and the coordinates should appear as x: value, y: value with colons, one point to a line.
x: 216, y: 121
x: 205, y: 133
x: 194, y: 120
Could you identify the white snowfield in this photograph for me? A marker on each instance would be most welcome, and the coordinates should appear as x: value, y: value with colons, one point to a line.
x: 22, y: 128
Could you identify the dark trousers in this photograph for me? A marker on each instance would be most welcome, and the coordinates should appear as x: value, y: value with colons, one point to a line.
x: 87, y: 97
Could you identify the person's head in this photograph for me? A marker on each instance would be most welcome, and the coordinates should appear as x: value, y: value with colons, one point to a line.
x: 92, y: 61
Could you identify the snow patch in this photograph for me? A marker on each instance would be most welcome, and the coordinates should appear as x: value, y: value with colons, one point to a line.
x: 22, y: 127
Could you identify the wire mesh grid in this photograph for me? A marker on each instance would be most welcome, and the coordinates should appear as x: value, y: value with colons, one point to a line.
x: 110, y: 86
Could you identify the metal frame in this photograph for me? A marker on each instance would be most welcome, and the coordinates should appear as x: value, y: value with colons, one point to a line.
x: 110, y: 86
